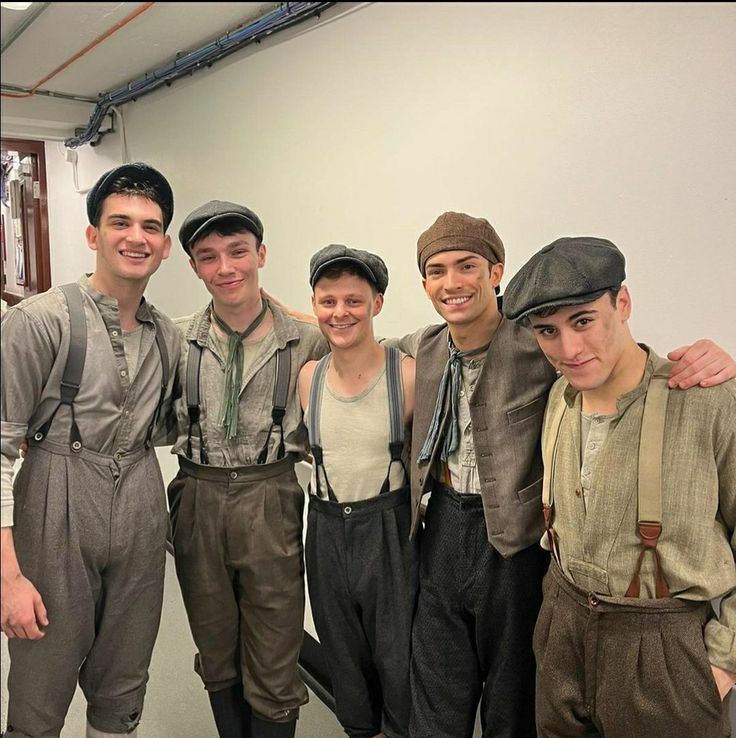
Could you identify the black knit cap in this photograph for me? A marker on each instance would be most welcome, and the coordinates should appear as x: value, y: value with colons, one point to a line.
x: 137, y: 172
x: 372, y: 266
x: 213, y: 212
x: 569, y: 271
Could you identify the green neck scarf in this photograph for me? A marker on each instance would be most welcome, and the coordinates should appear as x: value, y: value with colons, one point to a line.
x: 234, y: 370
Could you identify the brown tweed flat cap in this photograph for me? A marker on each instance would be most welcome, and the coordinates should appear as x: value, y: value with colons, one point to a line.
x: 460, y: 232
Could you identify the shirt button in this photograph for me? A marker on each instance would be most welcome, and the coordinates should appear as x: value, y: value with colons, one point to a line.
x: 119, y: 455
x: 347, y: 510
x: 114, y: 334
x: 593, y: 600
x: 577, y: 493
x: 123, y: 373
x: 233, y: 475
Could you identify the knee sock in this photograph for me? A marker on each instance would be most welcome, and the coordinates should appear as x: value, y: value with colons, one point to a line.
x: 268, y: 729
x: 231, y: 712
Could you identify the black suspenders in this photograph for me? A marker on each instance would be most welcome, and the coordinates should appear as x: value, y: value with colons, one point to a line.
x: 279, y: 400
x: 75, y: 359
x: 396, y: 417
x: 74, y: 368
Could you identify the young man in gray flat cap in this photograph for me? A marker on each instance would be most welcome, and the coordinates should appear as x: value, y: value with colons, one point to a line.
x: 640, y: 510
x: 85, y: 370
x: 236, y: 504
x: 362, y: 567
x: 481, y: 390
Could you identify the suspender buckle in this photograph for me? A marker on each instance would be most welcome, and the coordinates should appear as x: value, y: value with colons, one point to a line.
x: 649, y: 532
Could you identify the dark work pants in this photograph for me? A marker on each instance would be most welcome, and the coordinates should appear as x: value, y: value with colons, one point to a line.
x: 472, y: 635
x: 238, y: 550
x: 90, y: 534
x: 363, y: 573
x: 622, y: 667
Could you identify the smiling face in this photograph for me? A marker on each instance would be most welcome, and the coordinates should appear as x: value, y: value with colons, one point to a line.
x: 129, y: 240
x: 588, y: 343
x: 461, y: 286
x: 228, y: 266
x: 345, y: 306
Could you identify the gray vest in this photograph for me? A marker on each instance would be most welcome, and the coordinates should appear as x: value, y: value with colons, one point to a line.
x: 506, y: 409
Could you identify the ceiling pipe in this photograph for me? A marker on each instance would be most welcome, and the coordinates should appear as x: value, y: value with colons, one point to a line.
x: 288, y: 15
x: 23, y: 25
x: 124, y: 22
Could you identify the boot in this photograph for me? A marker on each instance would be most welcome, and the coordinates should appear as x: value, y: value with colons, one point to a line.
x: 268, y: 729
x: 231, y: 712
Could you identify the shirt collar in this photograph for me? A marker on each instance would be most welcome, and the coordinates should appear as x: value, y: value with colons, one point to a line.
x: 109, y: 305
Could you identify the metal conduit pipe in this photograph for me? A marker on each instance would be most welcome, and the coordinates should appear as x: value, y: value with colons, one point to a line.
x: 23, y: 25
x: 278, y: 20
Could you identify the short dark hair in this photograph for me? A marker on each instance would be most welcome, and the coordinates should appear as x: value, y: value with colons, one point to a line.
x: 227, y: 226
x: 131, y: 188
x: 337, y: 270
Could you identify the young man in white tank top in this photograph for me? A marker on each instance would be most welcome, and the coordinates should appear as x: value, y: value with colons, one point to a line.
x: 362, y: 569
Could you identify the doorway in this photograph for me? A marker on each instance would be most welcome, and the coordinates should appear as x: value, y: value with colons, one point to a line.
x: 26, y: 264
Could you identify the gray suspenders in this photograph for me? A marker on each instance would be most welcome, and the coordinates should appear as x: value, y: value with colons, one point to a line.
x: 651, y: 441
x: 74, y: 368
x: 278, y: 411
x: 396, y: 417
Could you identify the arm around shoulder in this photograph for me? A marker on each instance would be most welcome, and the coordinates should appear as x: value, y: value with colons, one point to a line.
x: 304, y: 383
x: 408, y: 378
x: 704, y: 363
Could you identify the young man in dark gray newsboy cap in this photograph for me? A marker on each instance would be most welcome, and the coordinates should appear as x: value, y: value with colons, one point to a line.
x: 481, y: 389
x: 236, y: 505
x: 640, y: 513
x: 362, y: 567
x: 86, y: 368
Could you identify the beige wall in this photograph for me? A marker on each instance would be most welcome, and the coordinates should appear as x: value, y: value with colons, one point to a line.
x: 613, y: 119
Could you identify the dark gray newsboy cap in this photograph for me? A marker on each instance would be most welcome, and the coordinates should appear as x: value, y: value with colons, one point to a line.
x: 570, y: 271
x: 372, y: 266
x: 136, y: 172
x: 212, y: 212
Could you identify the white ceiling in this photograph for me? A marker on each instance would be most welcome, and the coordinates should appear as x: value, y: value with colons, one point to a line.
x: 150, y: 41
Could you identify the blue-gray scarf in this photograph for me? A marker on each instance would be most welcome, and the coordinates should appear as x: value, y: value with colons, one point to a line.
x: 451, y: 380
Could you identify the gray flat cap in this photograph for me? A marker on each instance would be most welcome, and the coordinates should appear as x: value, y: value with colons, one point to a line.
x: 369, y: 264
x: 570, y: 271
x: 206, y: 216
x: 137, y: 172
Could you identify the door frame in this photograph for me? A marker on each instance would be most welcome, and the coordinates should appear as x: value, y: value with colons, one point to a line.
x: 39, y: 277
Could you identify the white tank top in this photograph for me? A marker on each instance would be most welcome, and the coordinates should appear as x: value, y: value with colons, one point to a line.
x: 354, y: 434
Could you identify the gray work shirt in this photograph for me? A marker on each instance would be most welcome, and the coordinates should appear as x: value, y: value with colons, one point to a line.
x: 112, y: 412
x: 256, y: 394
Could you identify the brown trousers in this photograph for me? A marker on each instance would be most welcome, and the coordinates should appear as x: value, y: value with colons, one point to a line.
x: 620, y: 667
x: 238, y: 548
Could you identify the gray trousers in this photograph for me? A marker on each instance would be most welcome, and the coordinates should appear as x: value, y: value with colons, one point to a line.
x: 90, y: 534
x: 238, y: 550
x: 622, y: 667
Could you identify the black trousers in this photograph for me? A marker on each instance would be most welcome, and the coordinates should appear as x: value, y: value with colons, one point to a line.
x: 363, y: 572
x: 472, y: 635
